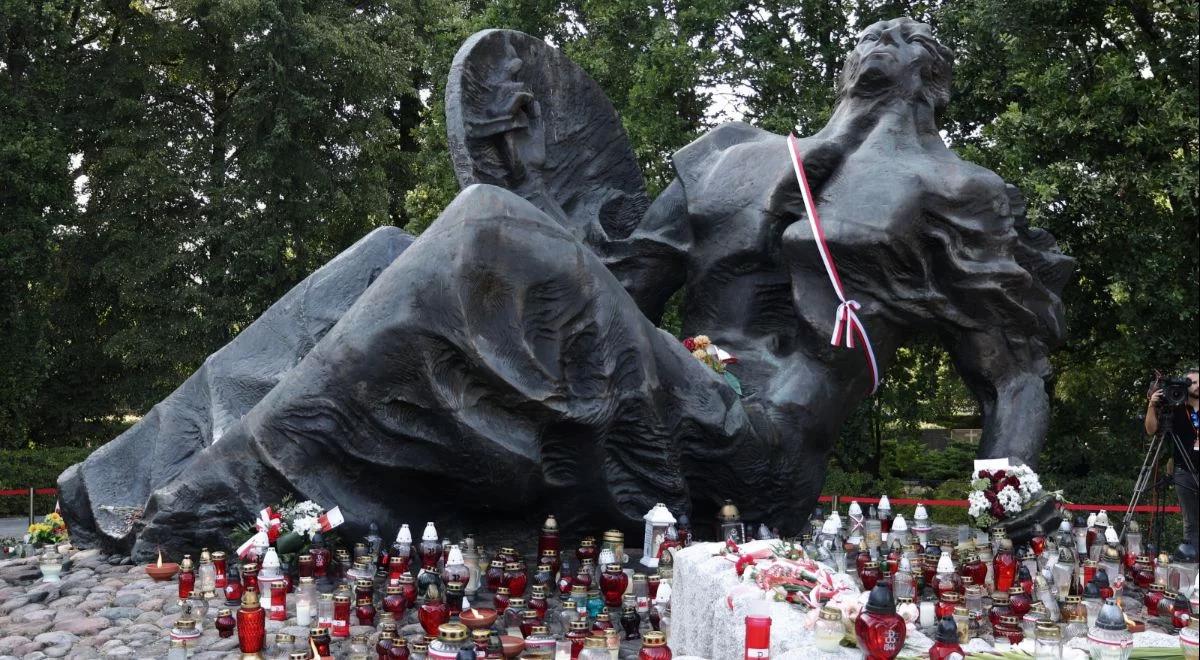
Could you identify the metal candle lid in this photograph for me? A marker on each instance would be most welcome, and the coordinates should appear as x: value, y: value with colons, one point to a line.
x: 1111, y: 618
x: 729, y: 512
x: 452, y: 632
x: 880, y: 600
x: 947, y: 631
x: 831, y: 614
x: 654, y: 638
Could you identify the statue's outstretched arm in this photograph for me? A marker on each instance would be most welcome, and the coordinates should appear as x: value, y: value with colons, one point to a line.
x: 1004, y: 315
x: 1009, y: 377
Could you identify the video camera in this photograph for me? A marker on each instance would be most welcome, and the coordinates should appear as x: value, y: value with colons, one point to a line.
x: 1175, y: 390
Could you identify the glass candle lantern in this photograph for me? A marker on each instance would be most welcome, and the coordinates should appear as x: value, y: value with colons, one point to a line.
x: 946, y: 605
x: 1019, y: 601
x: 904, y: 585
x: 880, y: 631
x: 654, y: 647
x: 319, y: 641
x: 1080, y: 533
x: 908, y: 610
x: 251, y: 624
x: 641, y: 594
x: 1048, y: 642
x: 1189, y: 639
x: 899, y: 533
x: 206, y: 575
x: 539, y: 643
x: 1110, y: 638
x: 501, y: 600
x: 613, y: 540
x: 1162, y: 568
x: 946, y: 641
x: 870, y: 575
x: 1181, y: 577
x: 884, y: 513
x: 1009, y: 627
x: 594, y: 648
x: 758, y: 636
x: 973, y: 600
x: 456, y: 569
x: 187, y: 577
x: 928, y: 608
x: 921, y: 526
x: 1030, y: 621
x: 1064, y: 572
x: 450, y: 637
x: 872, y: 532
x: 341, y: 616
x: 278, y: 610
x: 433, y: 612
x: 827, y: 636
x: 454, y: 598
x: 655, y: 524
x: 1092, y: 602
x: 225, y: 623
x: 515, y: 578
x: 729, y: 524
x: 612, y: 584
x: 306, y: 601
x: 587, y: 550
x: 431, y: 547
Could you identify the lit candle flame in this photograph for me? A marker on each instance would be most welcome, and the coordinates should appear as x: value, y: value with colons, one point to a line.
x: 474, y: 613
x: 160, y: 557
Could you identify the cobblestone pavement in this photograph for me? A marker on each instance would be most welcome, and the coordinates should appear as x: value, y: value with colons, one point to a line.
x: 106, y: 607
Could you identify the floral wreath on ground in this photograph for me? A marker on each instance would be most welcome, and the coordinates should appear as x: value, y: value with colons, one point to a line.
x: 997, y: 495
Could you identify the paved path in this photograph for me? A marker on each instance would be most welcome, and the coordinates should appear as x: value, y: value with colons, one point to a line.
x: 14, y: 527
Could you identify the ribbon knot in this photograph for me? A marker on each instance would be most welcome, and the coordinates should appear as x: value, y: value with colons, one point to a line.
x: 846, y: 323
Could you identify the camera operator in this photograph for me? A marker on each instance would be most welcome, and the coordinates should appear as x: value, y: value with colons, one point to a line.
x: 1184, y: 421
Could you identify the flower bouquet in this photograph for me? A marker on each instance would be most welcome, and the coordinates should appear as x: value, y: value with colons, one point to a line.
x: 1011, y: 499
x: 289, y: 526
x: 714, y: 357
x: 51, y: 531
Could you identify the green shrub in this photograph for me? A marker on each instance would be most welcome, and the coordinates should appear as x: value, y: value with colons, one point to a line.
x: 38, y: 467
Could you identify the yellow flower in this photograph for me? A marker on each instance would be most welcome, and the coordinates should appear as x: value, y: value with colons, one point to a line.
x: 700, y: 354
x: 702, y: 341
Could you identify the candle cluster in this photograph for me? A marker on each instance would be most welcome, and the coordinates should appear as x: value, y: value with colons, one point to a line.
x: 1081, y: 581
x: 494, y: 604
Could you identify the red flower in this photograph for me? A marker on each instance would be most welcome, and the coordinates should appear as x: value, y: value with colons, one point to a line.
x: 689, y: 344
x: 997, y: 511
x: 991, y: 497
x: 1014, y: 482
x: 1000, y: 474
x: 742, y: 563
x: 985, y: 474
x: 730, y: 546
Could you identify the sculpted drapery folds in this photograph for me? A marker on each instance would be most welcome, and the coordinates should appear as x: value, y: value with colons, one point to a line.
x: 509, y: 356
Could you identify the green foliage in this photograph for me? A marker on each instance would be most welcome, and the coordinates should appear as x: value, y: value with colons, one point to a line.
x: 169, y: 169
x: 37, y: 468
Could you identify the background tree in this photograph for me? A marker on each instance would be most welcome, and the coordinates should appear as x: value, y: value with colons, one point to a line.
x: 169, y: 168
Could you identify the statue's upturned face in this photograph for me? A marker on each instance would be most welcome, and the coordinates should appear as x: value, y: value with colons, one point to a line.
x: 892, y: 54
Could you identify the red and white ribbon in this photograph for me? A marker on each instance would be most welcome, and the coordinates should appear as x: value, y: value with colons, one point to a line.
x: 846, y: 324
x: 330, y: 519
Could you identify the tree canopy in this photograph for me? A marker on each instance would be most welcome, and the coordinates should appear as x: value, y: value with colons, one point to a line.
x: 169, y: 168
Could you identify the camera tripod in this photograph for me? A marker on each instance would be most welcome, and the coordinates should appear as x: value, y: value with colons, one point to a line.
x: 1149, y: 466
